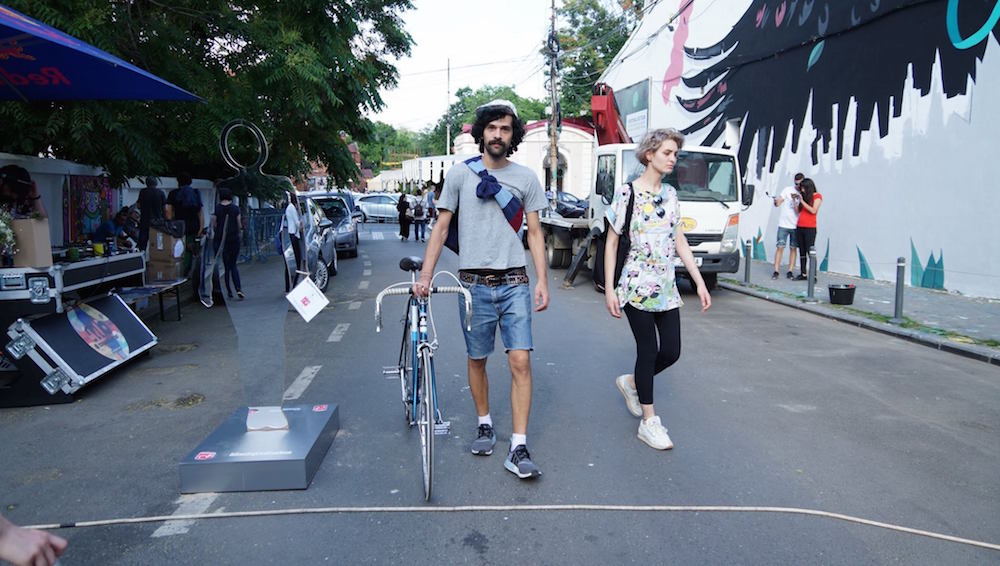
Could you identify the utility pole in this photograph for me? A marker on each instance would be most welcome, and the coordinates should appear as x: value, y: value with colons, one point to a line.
x: 554, y: 101
x: 447, y: 114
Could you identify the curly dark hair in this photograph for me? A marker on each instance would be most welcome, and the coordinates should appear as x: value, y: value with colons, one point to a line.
x: 495, y: 113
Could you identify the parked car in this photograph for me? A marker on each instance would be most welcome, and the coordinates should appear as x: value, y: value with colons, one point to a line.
x: 566, y: 205
x: 320, y: 247
x: 379, y: 207
x: 572, y: 200
x: 345, y: 223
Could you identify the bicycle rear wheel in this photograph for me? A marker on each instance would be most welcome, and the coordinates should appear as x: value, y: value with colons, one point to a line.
x: 426, y: 415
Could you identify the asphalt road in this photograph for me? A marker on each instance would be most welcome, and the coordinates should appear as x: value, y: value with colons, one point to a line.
x: 768, y: 407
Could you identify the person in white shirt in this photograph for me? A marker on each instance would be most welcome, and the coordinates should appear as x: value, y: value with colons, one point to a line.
x: 294, y: 223
x: 787, y: 204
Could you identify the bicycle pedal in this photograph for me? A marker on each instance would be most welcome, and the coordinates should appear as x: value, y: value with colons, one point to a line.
x: 390, y: 372
x: 442, y: 428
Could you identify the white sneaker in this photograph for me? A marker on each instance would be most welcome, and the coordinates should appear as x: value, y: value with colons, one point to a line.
x: 654, y: 434
x: 631, y: 396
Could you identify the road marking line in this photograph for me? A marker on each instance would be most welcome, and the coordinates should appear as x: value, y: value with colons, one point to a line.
x: 363, y: 285
x: 189, y: 504
x: 354, y: 306
x: 298, y: 387
x: 377, y: 236
x: 338, y: 333
x: 367, y: 264
x: 366, y: 273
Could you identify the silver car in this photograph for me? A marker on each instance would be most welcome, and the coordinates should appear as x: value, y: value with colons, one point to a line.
x: 379, y: 208
x: 345, y: 223
x: 320, y: 246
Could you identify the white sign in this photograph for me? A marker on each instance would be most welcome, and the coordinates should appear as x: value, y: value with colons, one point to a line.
x: 636, y: 124
x: 307, y: 299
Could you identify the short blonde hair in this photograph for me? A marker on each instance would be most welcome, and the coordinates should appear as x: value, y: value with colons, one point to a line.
x: 654, y: 139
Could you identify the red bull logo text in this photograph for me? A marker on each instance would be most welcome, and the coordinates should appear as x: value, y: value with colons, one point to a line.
x: 14, y: 51
x: 45, y: 76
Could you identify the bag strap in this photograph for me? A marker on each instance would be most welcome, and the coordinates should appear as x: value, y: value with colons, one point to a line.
x: 628, y: 212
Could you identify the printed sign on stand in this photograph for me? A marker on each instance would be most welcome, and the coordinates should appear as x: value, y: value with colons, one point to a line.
x: 307, y: 299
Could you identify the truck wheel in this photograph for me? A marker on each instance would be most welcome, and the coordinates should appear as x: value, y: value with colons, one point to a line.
x: 567, y: 258
x: 553, y: 257
x: 711, y: 280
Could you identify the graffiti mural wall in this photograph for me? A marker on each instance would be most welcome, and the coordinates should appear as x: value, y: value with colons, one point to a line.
x: 891, y: 106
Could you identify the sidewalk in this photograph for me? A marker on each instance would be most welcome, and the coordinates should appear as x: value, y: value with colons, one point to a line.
x: 946, y: 321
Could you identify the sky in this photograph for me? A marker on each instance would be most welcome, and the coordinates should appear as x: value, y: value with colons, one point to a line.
x: 490, y: 42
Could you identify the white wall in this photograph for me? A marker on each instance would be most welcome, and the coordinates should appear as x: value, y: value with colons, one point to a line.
x: 929, y: 179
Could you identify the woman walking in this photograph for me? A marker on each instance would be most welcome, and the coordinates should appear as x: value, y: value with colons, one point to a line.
x: 647, y: 289
x: 227, y: 225
x: 809, y: 203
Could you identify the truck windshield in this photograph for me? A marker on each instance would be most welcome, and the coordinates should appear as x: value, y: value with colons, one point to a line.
x: 697, y: 176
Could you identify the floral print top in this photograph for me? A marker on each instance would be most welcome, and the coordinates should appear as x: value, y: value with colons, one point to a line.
x: 648, y: 282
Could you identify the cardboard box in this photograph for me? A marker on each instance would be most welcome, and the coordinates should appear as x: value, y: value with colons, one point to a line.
x: 33, y: 243
x: 164, y: 247
x: 168, y: 270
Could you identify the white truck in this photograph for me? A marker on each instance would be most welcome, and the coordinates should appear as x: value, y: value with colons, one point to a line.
x: 709, y: 187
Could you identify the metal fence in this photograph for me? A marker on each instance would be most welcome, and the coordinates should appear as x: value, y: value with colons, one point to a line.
x: 260, y: 233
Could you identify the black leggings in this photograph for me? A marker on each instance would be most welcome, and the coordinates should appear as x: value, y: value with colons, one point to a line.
x: 807, y: 239
x: 652, y: 357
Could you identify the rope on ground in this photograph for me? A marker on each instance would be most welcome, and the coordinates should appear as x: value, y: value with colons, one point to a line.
x: 525, y: 508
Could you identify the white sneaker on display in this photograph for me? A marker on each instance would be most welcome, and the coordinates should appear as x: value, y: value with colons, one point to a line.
x: 630, y: 394
x: 653, y: 433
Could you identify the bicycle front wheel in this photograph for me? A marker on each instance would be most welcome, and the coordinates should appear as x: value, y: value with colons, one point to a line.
x: 406, y: 372
x: 426, y: 414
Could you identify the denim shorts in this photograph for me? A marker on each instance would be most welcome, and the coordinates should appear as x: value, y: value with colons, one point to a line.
x: 786, y: 234
x: 506, y: 305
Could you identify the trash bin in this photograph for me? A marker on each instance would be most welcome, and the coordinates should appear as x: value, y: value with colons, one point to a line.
x: 842, y: 294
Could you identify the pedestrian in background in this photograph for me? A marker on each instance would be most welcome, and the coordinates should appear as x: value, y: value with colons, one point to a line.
x: 491, y: 263
x: 419, y: 218
x: 788, y: 218
x: 152, y: 204
x: 19, y: 193
x: 403, y: 209
x: 808, y: 205
x: 293, y: 222
x: 185, y: 204
x: 227, y: 225
x: 647, y: 290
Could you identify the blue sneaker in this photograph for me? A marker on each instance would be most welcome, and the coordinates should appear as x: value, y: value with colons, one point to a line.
x: 483, y: 444
x: 519, y: 463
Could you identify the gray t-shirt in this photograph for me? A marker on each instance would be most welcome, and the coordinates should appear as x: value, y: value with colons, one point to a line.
x: 485, y: 239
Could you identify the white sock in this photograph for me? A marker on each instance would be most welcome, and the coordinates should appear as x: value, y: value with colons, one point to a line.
x: 486, y: 420
x: 517, y: 440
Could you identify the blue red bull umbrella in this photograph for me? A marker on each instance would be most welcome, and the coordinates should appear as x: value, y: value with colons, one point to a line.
x: 38, y: 62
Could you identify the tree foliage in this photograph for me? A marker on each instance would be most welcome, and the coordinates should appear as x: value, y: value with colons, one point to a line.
x: 303, y: 71
x: 591, y: 36
x: 463, y: 111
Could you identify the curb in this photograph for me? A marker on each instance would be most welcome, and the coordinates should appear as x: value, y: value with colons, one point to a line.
x: 977, y: 353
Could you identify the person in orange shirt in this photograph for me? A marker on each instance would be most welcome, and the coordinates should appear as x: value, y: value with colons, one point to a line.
x: 809, y: 202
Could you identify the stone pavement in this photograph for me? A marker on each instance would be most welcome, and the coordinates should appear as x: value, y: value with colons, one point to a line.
x: 952, y: 322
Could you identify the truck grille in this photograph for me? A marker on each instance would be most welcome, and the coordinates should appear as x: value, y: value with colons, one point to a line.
x: 695, y: 240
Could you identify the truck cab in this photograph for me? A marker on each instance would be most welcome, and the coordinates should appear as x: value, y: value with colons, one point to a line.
x: 711, y: 195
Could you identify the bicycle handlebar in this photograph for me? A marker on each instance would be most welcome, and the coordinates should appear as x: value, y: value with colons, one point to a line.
x: 434, y: 290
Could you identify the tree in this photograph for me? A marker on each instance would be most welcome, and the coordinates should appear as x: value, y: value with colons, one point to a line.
x: 463, y: 111
x: 592, y: 36
x: 387, y: 147
x: 303, y: 71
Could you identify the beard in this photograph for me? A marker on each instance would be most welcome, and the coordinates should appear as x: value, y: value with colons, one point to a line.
x: 497, y: 151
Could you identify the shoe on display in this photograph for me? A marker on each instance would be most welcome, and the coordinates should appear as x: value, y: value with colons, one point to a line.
x: 630, y: 394
x: 519, y: 463
x: 485, y: 440
x: 653, y: 433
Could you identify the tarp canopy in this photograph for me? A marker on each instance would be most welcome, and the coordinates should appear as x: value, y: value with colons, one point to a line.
x: 38, y: 62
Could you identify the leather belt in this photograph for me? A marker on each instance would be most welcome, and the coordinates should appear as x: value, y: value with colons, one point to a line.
x: 516, y: 276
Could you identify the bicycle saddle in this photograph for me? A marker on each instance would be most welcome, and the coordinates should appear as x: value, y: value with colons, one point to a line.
x: 412, y: 263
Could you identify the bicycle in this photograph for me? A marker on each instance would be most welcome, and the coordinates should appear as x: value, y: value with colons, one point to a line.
x: 418, y: 389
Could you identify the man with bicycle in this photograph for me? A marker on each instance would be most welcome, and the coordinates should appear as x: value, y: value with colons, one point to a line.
x: 490, y: 196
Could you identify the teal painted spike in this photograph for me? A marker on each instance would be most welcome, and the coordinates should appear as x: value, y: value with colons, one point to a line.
x: 927, y: 281
x: 814, y: 55
x: 758, y: 247
x: 825, y: 264
x: 934, y: 274
x: 916, y: 268
x: 866, y: 272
